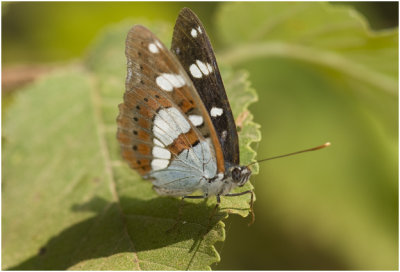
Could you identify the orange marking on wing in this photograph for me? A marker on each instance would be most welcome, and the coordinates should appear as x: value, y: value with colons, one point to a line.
x: 144, y: 136
x: 143, y: 123
x: 184, y: 141
x: 144, y: 149
x: 186, y: 105
x: 128, y: 155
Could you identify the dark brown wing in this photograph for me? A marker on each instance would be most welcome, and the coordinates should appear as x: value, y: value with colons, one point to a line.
x: 192, y: 46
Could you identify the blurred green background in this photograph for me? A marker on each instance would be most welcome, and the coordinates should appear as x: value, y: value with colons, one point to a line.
x: 47, y: 32
x: 333, y: 209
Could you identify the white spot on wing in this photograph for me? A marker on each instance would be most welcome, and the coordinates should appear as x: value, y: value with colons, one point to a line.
x: 216, y: 111
x: 158, y: 164
x: 199, y: 29
x: 159, y: 44
x: 169, y: 124
x: 195, y: 71
x: 161, y: 153
x: 193, y: 33
x: 168, y: 82
x: 176, y: 80
x: 209, y: 67
x: 153, y: 48
x: 164, y: 84
x: 197, y: 120
x: 157, y: 142
x: 202, y: 67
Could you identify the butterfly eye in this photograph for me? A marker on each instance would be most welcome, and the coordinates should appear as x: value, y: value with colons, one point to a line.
x: 240, y: 175
x: 236, y: 174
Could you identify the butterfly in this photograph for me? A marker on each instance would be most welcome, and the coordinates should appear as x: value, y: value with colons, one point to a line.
x: 175, y: 125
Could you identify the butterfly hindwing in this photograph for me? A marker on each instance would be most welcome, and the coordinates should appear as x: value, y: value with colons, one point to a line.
x: 192, y: 47
x: 162, y: 119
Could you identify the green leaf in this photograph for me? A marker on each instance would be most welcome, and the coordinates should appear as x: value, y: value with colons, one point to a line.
x: 70, y: 202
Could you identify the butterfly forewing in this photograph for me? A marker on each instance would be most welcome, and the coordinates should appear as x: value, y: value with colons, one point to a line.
x: 192, y: 47
x: 162, y: 117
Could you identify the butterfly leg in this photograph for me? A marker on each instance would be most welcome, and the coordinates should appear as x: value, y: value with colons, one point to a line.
x: 251, y: 203
x: 216, y: 205
x: 215, y: 208
x: 180, y: 213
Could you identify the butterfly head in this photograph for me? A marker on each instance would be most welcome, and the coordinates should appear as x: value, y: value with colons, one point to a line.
x: 240, y: 174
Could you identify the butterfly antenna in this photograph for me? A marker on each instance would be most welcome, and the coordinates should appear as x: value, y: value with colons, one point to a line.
x: 294, y: 153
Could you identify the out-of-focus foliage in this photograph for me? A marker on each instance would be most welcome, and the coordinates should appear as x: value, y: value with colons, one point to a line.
x: 58, y: 31
x: 322, y: 75
x: 332, y: 209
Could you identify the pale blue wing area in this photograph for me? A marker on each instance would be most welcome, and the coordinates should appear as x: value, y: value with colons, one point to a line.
x: 187, y: 172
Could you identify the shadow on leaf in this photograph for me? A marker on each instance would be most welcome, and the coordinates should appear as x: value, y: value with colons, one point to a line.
x: 133, y: 226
